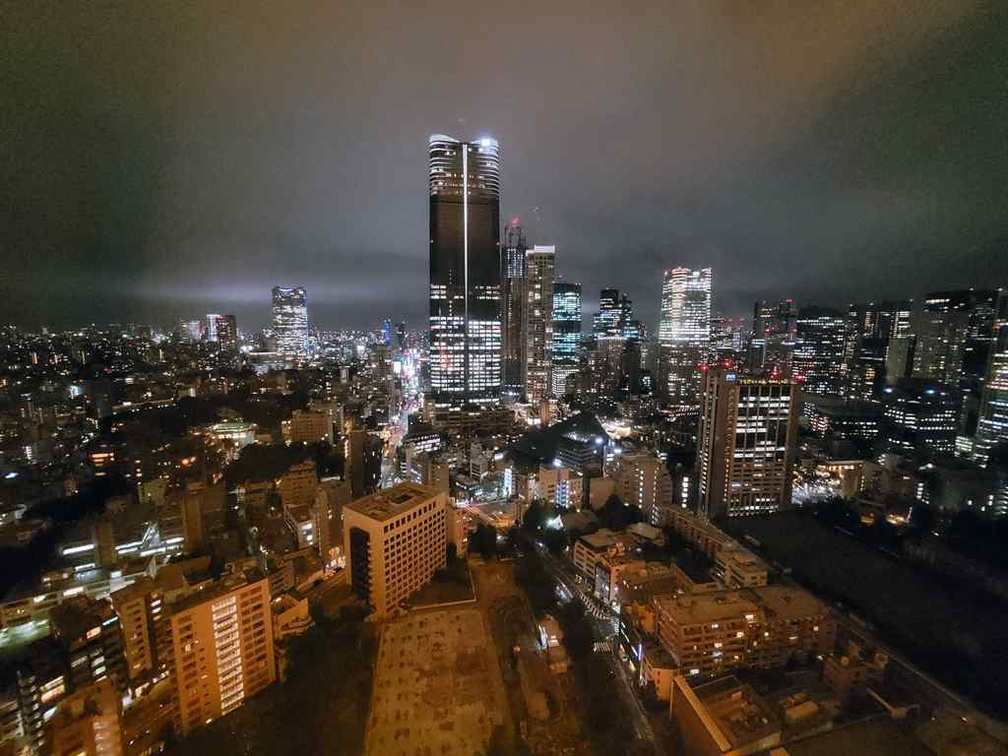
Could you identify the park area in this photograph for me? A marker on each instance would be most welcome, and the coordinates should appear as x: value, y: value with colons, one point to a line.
x: 948, y: 632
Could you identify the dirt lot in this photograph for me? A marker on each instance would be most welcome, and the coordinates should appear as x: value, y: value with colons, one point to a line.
x: 438, y: 688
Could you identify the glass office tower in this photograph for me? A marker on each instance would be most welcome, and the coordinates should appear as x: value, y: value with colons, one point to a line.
x: 465, y: 271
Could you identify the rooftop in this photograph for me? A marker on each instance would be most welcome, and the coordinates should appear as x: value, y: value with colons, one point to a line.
x: 781, y: 601
x: 741, y: 715
x: 600, y: 539
x: 216, y: 589
x: 74, y: 618
x: 391, y: 502
x: 691, y: 610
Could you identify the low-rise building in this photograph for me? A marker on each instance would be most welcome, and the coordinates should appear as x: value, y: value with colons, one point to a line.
x: 723, y: 717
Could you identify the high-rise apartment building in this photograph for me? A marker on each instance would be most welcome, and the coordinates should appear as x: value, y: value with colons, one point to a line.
x: 86, y: 723
x: 643, y: 480
x: 465, y: 271
x: 566, y: 333
x: 90, y: 634
x: 747, y: 428
x: 395, y: 540
x: 537, y: 315
x: 290, y: 321
x: 513, y: 303
x: 223, y: 331
x: 684, y: 331
x: 221, y: 649
x: 820, y: 350
x: 141, y: 611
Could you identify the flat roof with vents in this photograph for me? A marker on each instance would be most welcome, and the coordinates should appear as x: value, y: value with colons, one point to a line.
x: 390, y: 502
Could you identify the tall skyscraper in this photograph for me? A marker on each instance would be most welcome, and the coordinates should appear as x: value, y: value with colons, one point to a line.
x: 223, y: 331
x: 921, y: 414
x: 513, y: 304
x: 771, y: 345
x: 992, y: 423
x: 540, y: 264
x: 954, y: 330
x: 566, y: 333
x: 747, y: 427
x: 684, y: 331
x: 872, y: 327
x: 617, y: 343
x: 820, y: 349
x: 686, y: 307
x: 614, y: 320
x: 290, y: 321
x: 465, y: 271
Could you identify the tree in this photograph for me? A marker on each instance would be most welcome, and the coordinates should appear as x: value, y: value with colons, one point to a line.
x: 533, y: 518
x: 616, y: 515
x: 483, y: 541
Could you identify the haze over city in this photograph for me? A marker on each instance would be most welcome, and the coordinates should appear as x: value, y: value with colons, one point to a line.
x: 412, y: 379
x: 188, y: 156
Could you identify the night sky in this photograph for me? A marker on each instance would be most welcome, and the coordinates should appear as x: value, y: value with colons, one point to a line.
x: 168, y: 159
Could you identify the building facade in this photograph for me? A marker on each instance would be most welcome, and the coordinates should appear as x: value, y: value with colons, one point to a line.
x: 465, y: 271
x: 684, y: 331
x: 643, y: 480
x: 566, y: 333
x: 537, y: 314
x: 290, y: 321
x: 513, y: 305
x: 395, y: 540
x: 820, y: 351
x: 747, y: 428
x: 222, y: 649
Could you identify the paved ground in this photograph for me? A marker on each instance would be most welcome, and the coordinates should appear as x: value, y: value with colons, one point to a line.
x: 438, y: 689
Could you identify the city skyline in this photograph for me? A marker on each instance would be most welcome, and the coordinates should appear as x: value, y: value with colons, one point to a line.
x: 874, y: 160
x: 400, y: 379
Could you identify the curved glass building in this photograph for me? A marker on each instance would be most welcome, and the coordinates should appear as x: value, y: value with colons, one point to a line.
x: 465, y: 271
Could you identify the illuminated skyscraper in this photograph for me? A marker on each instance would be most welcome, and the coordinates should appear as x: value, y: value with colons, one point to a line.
x: 820, y: 345
x: 465, y: 271
x: 686, y: 308
x: 992, y: 425
x: 954, y: 330
x: 566, y: 333
x: 223, y: 331
x: 771, y: 345
x: 513, y: 304
x: 747, y: 426
x: 614, y: 320
x: 872, y: 327
x: 684, y: 330
x: 540, y: 264
x: 290, y: 321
